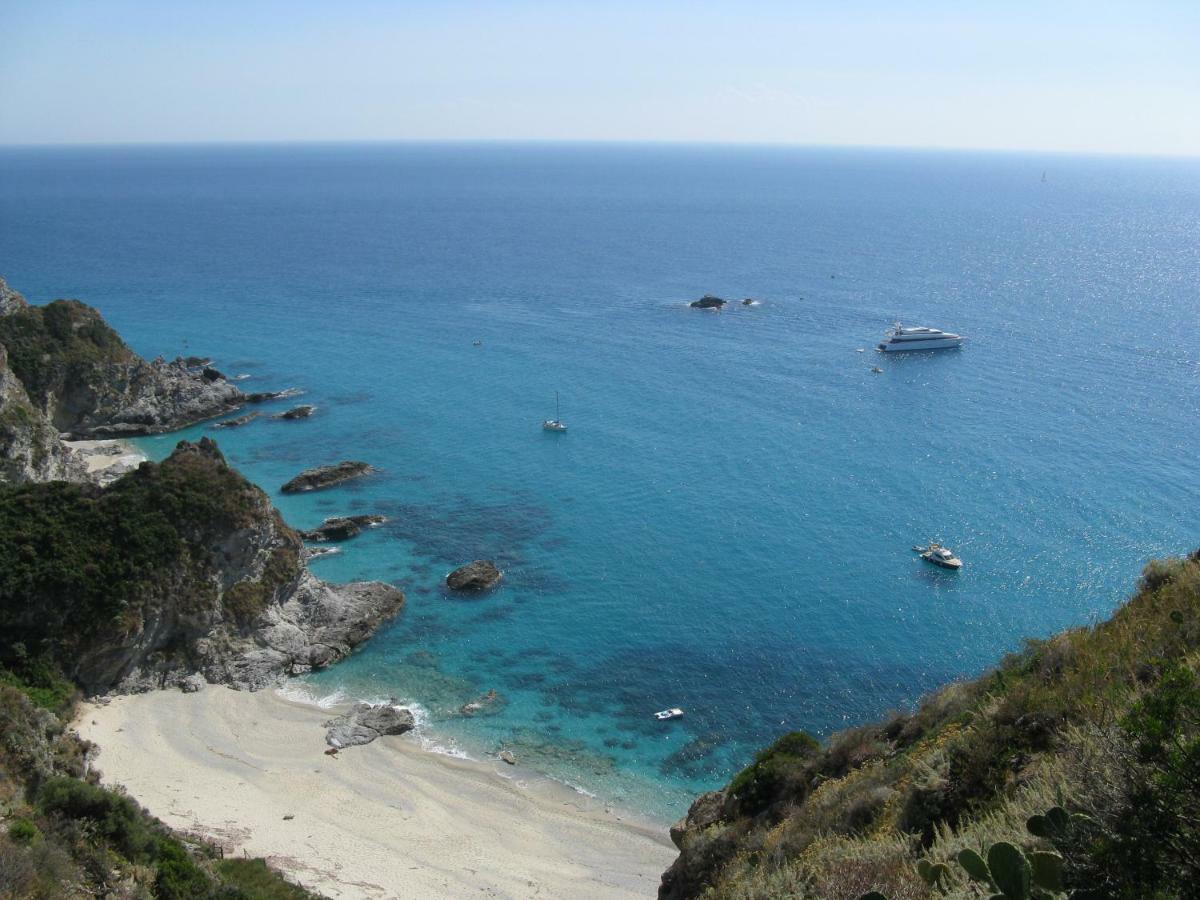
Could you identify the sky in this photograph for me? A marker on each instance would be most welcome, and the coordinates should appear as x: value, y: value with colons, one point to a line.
x: 1100, y: 77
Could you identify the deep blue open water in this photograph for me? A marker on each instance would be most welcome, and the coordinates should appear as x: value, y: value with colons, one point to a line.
x: 727, y: 525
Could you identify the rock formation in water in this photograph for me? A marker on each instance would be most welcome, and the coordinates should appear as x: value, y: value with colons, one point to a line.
x: 180, y: 567
x: 326, y: 476
x: 365, y: 722
x: 342, y: 528
x: 83, y: 378
x: 296, y: 412
x: 480, y: 575
x: 708, y: 301
x: 238, y: 422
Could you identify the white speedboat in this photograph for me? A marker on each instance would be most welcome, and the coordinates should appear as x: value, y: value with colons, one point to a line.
x: 902, y: 338
x: 673, y: 713
x: 940, y: 556
x: 555, y: 424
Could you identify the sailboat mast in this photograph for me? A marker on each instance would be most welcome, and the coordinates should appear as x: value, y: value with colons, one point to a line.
x: 557, y: 417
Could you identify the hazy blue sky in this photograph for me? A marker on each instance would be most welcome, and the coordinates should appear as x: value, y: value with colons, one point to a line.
x: 1092, y: 76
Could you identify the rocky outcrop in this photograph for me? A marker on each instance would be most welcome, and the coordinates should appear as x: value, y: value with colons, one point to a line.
x: 342, y: 528
x: 364, y: 723
x: 30, y: 449
x: 708, y: 301
x: 296, y: 412
x: 238, y: 422
x: 209, y: 580
x: 84, y: 379
x: 268, y: 396
x: 326, y: 476
x: 480, y: 575
x: 706, y: 810
x: 486, y: 704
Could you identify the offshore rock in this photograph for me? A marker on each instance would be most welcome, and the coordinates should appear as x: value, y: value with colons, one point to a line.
x: 480, y: 575
x: 326, y: 476
x: 238, y: 422
x: 708, y: 301
x: 364, y: 723
x: 267, y: 396
x: 296, y: 412
x: 342, y: 528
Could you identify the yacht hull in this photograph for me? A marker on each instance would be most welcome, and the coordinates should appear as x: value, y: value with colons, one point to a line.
x: 937, y: 344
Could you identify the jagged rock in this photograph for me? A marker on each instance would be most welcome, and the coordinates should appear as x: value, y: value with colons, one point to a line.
x: 192, y: 683
x: 706, y: 810
x: 507, y: 756
x: 749, y: 301
x: 208, y: 373
x: 364, y: 723
x: 708, y: 301
x: 480, y: 575
x: 10, y: 300
x: 296, y: 412
x: 326, y: 476
x: 238, y: 422
x: 342, y: 528
x: 30, y: 447
x: 195, y: 362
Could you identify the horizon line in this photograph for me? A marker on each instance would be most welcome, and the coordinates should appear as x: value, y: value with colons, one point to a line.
x: 614, y: 142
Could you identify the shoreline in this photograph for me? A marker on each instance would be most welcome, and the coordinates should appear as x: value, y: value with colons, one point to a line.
x: 388, y: 819
x: 107, y: 459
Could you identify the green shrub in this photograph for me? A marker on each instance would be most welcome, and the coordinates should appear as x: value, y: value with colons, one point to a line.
x: 179, y: 878
x: 111, y: 816
x: 256, y: 880
x: 22, y: 831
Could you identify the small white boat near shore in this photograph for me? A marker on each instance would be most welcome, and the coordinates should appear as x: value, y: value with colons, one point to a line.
x: 665, y: 715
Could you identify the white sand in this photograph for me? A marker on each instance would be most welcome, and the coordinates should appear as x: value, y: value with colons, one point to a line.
x: 108, y: 454
x: 383, y: 820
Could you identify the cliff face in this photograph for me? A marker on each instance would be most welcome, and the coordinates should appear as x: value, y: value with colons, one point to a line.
x: 79, y: 373
x: 1078, y: 758
x: 178, y: 568
x: 29, y: 446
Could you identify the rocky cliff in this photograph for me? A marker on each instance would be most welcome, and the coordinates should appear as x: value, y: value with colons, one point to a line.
x: 30, y: 449
x: 83, y: 378
x: 179, y: 573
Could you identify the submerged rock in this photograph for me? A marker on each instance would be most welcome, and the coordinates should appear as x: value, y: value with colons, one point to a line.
x: 480, y: 575
x: 326, y: 476
x: 708, y: 301
x: 342, y: 528
x: 487, y: 704
x: 296, y: 412
x: 749, y: 301
x: 507, y: 756
x: 364, y: 723
x: 238, y: 422
x: 266, y: 396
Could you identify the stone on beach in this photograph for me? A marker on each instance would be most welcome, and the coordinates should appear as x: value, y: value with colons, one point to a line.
x: 364, y: 723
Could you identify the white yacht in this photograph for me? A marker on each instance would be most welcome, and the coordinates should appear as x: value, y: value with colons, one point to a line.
x: 555, y: 424
x: 939, y: 556
x: 902, y: 338
x: 673, y: 713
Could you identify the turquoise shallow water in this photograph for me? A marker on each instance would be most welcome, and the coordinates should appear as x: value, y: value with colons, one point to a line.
x: 726, y: 527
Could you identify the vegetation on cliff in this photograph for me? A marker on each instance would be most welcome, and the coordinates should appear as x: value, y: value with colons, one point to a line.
x: 1100, y: 724
x: 84, y: 568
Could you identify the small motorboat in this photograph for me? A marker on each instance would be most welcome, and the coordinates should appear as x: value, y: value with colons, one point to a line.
x: 673, y: 713
x: 939, y: 556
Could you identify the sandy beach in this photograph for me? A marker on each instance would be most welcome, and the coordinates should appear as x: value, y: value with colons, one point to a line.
x: 108, y: 460
x: 388, y: 819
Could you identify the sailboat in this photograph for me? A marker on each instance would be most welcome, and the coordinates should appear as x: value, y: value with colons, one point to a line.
x: 555, y: 424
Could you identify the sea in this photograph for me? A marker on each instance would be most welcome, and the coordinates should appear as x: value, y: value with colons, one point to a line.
x: 727, y: 526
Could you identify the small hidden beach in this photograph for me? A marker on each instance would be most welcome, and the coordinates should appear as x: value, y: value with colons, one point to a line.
x: 389, y: 819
